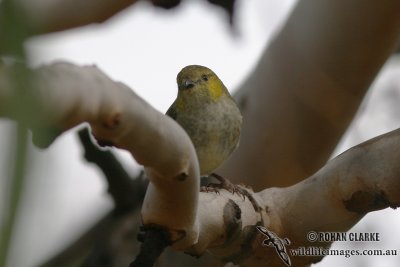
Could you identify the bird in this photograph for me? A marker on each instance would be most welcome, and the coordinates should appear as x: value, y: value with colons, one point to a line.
x: 210, y: 116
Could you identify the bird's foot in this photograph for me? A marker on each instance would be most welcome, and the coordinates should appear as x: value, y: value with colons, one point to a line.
x: 223, y: 184
x: 209, y: 188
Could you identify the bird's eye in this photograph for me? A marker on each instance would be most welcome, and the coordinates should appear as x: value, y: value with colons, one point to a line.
x: 204, y: 77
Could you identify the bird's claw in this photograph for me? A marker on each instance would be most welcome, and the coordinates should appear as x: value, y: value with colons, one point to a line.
x: 224, y: 184
x: 209, y: 188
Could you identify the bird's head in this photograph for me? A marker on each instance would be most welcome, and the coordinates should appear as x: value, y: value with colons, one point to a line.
x: 197, y: 80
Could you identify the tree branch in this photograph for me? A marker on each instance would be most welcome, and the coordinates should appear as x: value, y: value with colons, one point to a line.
x: 57, y: 15
x: 45, y: 16
x: 110, y: 242
x: 362, y: 179
x: 127, y: 192
x: 307, y: 87
x: 70, y: 95
x: 365, y: 178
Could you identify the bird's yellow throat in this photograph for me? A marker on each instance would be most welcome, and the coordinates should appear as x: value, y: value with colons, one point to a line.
x: 216, y: 88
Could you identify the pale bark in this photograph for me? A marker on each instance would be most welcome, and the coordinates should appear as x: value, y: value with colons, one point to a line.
x: 365, y: 178
x: 69, y: 95
x: 46, y: 16
x: 307, y: 87
x: 296, y: 105
x: 361, y: 180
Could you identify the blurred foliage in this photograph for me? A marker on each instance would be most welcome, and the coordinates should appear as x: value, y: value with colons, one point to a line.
x: 13, y: 30
x: 12, y: 35
x: 167, y: 4
x: 227, y: 5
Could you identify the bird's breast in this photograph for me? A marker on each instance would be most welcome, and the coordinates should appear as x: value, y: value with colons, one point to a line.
x: 214, y: 130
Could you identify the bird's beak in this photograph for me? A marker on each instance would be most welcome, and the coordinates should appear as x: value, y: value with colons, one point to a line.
x: 188, y: 84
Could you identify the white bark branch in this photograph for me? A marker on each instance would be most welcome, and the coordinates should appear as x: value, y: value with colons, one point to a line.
x: 307, y: 86
x: 45, y: 16
x: 365, y: 178
x: 70, y: 95
x: 362, y: 179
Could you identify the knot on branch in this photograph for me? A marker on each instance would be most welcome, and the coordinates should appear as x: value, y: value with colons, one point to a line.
x: 233, y: 221
x: 112, y: 121
x: 366, y: 201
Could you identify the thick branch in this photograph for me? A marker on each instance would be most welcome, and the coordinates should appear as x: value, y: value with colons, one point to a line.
x: 307, y: 87
x: 45, y: 16
x: 365, y: 178
x: 69, y: 95
x: 362, y: 179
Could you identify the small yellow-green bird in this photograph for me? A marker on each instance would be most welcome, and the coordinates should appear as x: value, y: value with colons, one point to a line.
x: 209, y: 115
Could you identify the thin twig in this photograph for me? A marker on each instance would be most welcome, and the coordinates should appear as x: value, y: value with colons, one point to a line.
x: 126, y: 192
x: 155, y: 240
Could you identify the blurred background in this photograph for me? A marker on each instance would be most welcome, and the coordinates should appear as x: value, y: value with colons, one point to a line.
x: 145, y: 47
